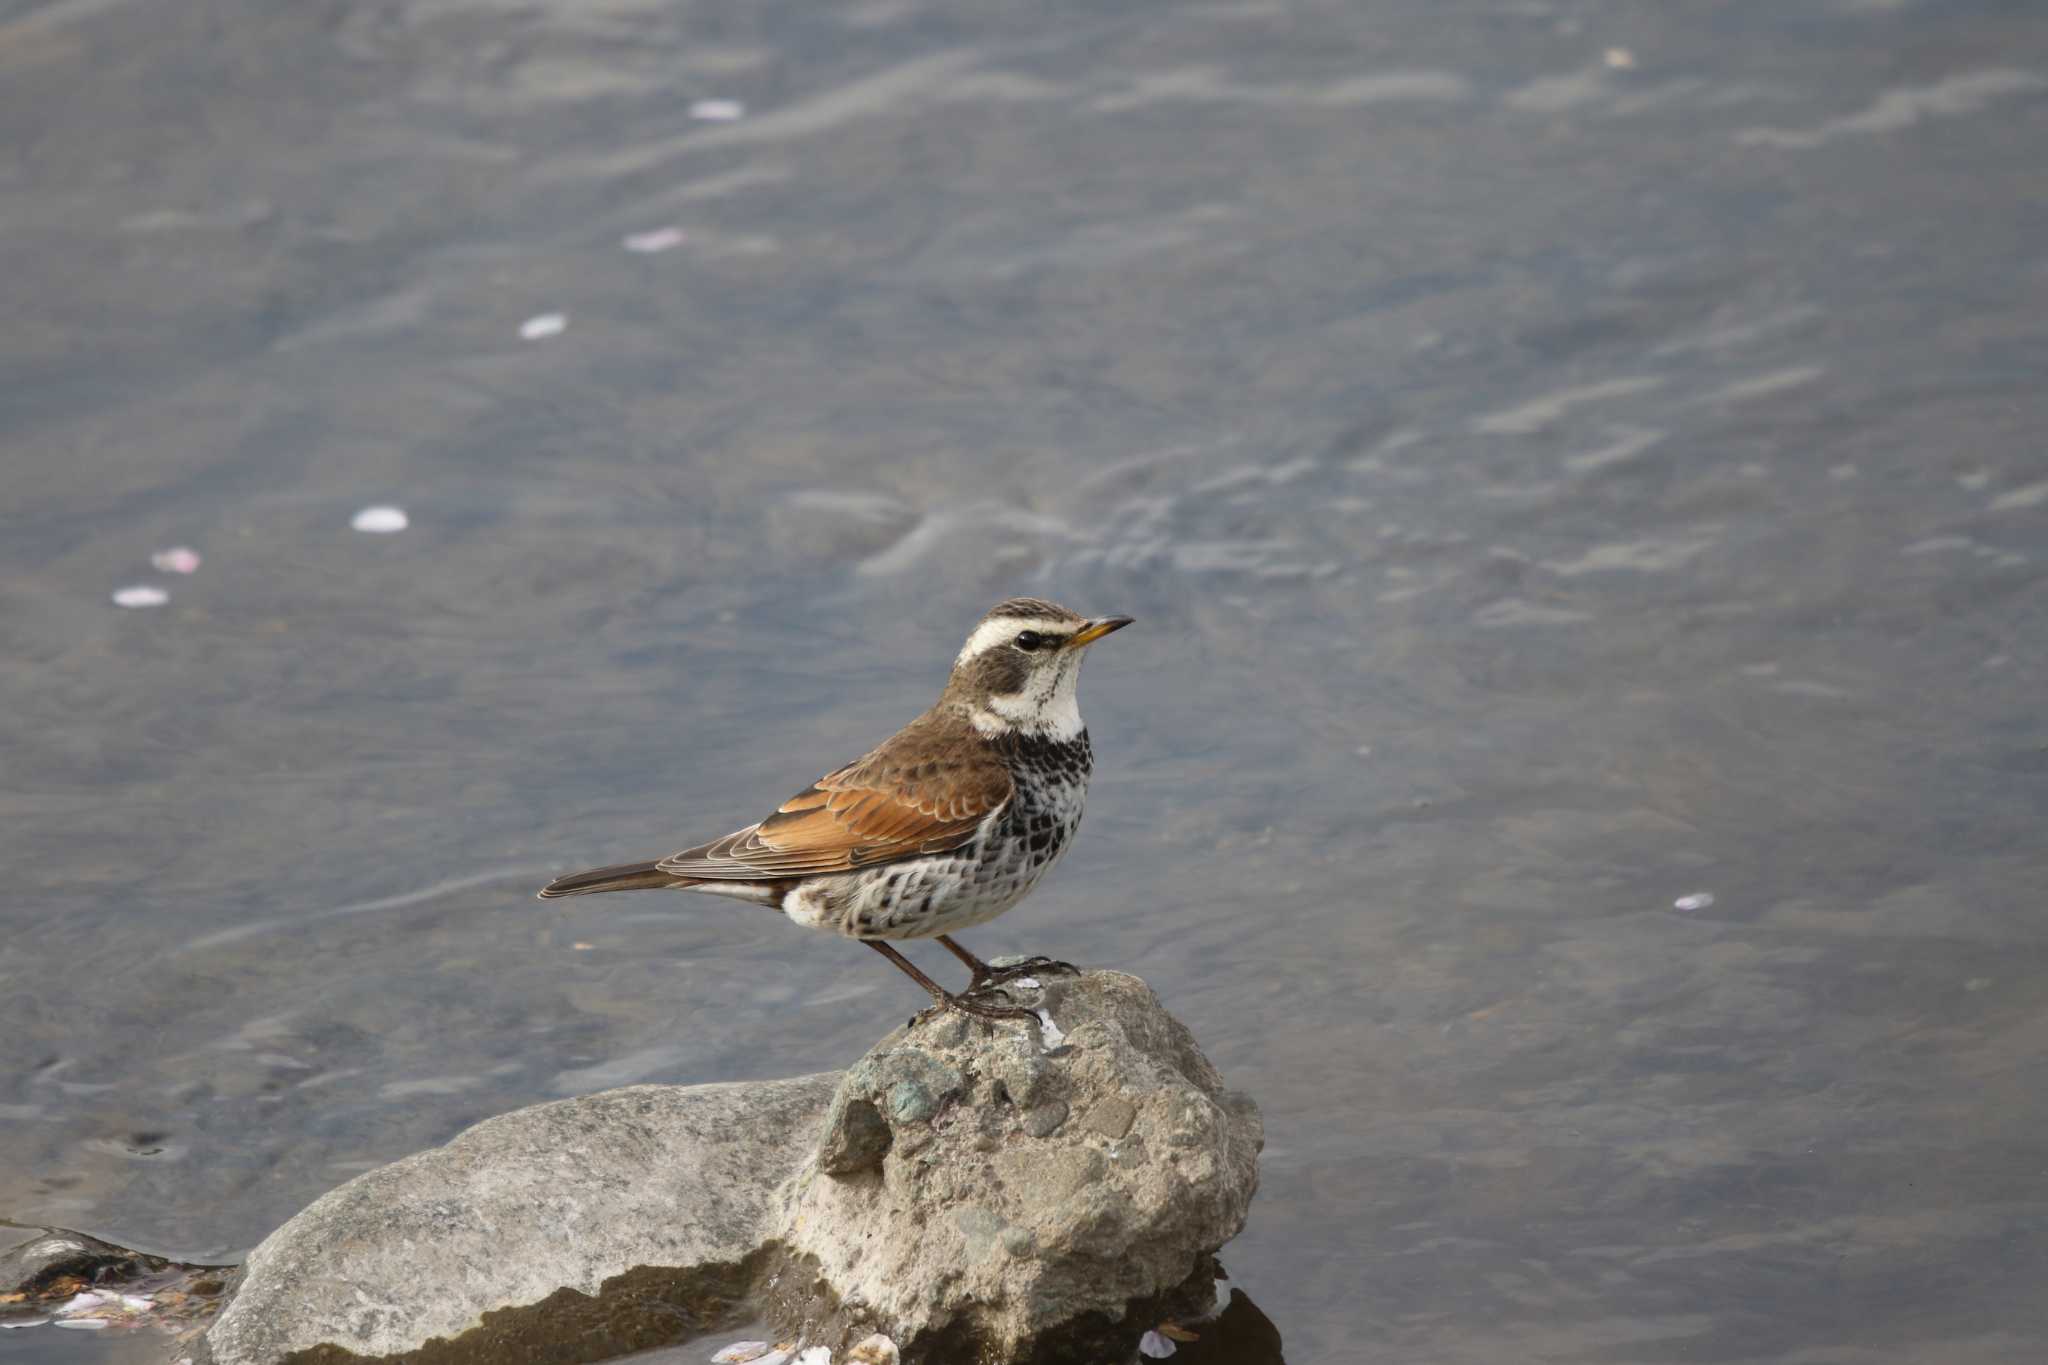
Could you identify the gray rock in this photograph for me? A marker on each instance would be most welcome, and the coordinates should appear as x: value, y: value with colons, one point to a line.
x: 652, y: 1201
x: 910, y: 1102
x: 857, y: 1137
x: 935, y: 1192
x: 1024, y: 1076
x: 1045, y: 1119
x: 1023, y: 1235
x: 1111, y: 1116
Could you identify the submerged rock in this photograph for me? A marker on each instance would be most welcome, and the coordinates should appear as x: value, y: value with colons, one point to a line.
x: 33, y: 1260
x: 55, y: 1277
x: 960, y: 1192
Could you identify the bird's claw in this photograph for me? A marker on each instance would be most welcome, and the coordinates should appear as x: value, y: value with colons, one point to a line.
x: 966, y: 1004
x: 1029, y: 966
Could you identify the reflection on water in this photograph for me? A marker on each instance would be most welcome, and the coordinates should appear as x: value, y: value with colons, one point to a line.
x: 1564, y: 459
x: 1237, y: 1334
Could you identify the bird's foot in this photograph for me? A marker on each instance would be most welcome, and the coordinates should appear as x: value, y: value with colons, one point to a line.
x: 965, y: 1003
x: 1030, y: 966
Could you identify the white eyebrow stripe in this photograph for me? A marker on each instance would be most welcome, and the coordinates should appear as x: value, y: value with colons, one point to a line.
x: 1004, y: 629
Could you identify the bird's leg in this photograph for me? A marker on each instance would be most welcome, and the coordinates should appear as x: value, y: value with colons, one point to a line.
x: 943, y: 998
x: 979, y: 971
x: 985, y: 975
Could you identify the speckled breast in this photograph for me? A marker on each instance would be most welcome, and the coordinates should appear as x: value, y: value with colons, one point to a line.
x: 923, y: 897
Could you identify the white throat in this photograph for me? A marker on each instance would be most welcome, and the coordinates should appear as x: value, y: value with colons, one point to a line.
x: 1049, y: 706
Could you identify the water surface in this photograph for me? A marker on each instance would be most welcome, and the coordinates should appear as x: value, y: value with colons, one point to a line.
x: 1565, y: 458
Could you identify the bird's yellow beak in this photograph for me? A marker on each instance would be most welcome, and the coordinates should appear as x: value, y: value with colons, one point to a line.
x: 1095, y: 630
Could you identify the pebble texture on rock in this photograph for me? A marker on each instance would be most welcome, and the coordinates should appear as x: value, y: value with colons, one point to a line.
x: 961, y: 1190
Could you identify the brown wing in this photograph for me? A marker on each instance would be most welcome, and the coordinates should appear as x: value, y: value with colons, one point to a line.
x: 925, y: 791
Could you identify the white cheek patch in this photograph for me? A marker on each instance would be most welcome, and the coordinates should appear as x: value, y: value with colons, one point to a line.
x: 1050, y: 704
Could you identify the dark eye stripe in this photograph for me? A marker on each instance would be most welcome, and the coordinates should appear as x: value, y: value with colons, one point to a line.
x: 1028, y: 640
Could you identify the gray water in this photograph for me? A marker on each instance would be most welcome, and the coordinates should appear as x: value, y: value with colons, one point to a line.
x: 1565, y: 458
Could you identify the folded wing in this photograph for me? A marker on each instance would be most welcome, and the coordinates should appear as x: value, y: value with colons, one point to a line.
x: 901, y: 801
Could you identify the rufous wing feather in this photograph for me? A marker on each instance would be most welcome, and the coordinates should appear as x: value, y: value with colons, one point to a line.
x: 882, y: 808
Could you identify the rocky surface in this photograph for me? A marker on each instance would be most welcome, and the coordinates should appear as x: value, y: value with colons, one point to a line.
x: 963, y: 1190
x: 975, y: 1191
x: 622, y: 1219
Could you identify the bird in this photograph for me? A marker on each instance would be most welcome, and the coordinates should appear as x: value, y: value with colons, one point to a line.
x: 943, y: 826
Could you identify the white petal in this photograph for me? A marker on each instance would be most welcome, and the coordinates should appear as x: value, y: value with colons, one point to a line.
x: 141, y: 595
x: 177, y: 559
x: 1698, y: 900
x: 381, y: 520
x: 541, y: 326
x: 656, y: 239
x: 717, y: 111
x: 1155, y: 1346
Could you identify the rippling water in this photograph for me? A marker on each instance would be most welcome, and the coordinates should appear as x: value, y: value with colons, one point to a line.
x: 1578, y: 468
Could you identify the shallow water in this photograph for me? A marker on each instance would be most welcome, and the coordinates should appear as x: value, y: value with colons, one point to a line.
x: 1564, y: 458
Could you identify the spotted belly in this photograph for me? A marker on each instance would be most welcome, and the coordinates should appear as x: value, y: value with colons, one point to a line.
x: 945, y: 893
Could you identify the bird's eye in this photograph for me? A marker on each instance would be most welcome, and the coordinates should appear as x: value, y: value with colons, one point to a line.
x: 1028, y: 640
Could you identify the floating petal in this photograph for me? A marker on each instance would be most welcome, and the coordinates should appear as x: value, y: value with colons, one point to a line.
x: 541, y: 326
x: 656, y: 239
x: 177, y: 559
x: 381, y: 521
x: 141, y: 595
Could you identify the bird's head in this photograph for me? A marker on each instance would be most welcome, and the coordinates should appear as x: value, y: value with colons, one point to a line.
x: 1017, y: 672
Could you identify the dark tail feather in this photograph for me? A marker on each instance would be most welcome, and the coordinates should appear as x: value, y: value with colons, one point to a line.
x: 624, y: 877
